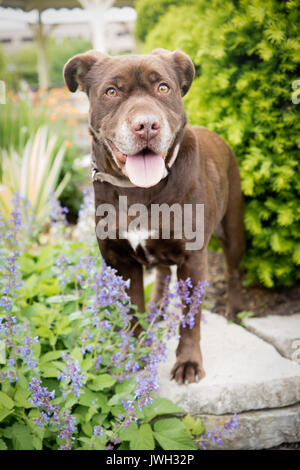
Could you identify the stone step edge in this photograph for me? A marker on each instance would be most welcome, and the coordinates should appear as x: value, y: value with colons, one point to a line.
x: 258, y: 429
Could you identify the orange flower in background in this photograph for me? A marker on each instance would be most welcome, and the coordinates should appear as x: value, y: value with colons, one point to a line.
x: 71, y: 122
x: 68, y: 144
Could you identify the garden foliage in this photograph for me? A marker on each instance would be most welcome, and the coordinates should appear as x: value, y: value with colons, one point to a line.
x: 247, y: 56
x: 34, y: 175
x: 72, y: 374
x: 21, y: 117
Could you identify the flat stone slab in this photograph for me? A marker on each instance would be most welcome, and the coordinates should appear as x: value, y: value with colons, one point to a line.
x: 243, y: 373
x: 258, y: 429
x: 283, y: 332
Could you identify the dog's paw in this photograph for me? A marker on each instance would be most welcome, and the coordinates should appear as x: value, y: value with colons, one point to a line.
x: 187, y: 371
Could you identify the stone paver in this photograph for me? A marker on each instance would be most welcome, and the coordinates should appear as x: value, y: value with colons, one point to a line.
x: 283, y: 332
x: 258, y: 429
x: 243, y: 372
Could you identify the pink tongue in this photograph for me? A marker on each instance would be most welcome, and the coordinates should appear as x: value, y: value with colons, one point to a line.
x: 145, y: 170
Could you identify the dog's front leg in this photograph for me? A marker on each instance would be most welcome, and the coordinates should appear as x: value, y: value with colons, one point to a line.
x: 188, y: 367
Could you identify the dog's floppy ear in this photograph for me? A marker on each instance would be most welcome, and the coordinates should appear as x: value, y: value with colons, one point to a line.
x: 183, y: 67
x: 76, y: 69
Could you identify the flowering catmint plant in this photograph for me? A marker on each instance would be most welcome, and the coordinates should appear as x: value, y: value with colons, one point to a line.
x: 84, y: 230
x: 17, y: 347
x: 11, y: 245
x: 17, y: 230
x: 57, y: 217
x: 72, y: 373
x: 51, y: 415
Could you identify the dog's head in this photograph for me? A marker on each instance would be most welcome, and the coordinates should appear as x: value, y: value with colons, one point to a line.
x: 136, y: 107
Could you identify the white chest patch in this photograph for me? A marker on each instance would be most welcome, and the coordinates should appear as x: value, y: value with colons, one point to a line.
x: 138, y: 237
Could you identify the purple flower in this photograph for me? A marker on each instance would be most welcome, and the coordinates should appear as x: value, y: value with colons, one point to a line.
x: 98, y: 362
x: 215, y: 437
x: 26, y: 352
x: 57, y: 214
x: 72, y: 374
x: 231, y: 424
x: 68, y: 427
x: 50, y: 414
x: 41, y: 397
x: 98, y: 431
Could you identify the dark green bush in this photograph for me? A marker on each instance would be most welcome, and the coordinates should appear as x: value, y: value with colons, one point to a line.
x: 247, y: 56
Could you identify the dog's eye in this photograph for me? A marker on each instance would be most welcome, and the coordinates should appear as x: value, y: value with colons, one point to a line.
x: 163, y: 88
x: 111, y: 92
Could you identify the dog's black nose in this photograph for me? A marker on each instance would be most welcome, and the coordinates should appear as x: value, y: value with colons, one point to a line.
x: 146, y: 127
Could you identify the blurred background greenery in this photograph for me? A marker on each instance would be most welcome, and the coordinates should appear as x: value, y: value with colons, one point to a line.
x: 247, y: 58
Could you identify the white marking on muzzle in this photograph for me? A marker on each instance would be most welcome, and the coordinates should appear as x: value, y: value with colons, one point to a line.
x: 126, y: 141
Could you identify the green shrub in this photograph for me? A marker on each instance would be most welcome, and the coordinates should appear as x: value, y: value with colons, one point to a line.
x: 247, y: 56
x: 148, y: 14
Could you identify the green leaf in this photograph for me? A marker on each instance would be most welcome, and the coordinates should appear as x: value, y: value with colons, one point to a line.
x: 87, y: 429
x: 41, y: 309
x: 4, y: 412
x: 86, y: 398
x: 117, y: 399
x: 160, y: 406
x: 48, y: 370
x: 30, y: 288
x: 45, y: 259
x: 45, y: 333
x: 49, y: 287
x: 3, y: 446
x: 37, y: 443
x: 26, y: 263
x: 22, y: 438
x: 6, y: 401
x: 143, y: 439
x: 148, y: 291
x: 75, y: 315
x: 51, y: 356
x: 125, y: 387
x: 21, y: 399
x: 171, y: 434
x: 244, y: 314
x: 129, y: 433
x: 194, y: 426
x: 101, y: 382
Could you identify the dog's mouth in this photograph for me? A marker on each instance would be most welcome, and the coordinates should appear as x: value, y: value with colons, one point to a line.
x: 144, y: 169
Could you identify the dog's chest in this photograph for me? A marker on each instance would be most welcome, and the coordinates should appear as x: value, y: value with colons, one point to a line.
x: 151, y: 251
x: 134, y: 229
x: 137, y: 240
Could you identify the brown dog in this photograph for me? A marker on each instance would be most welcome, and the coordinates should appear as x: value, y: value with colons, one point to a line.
x: 143, y: 148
